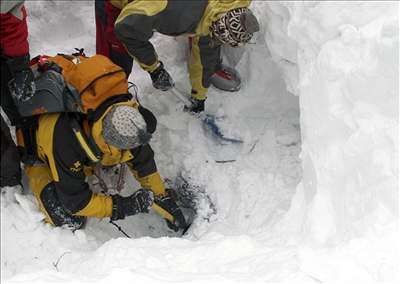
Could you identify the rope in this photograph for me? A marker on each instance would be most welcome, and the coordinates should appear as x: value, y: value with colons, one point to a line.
x: 120, y: 229
x: 105, y: 189
x: 121, y: 178
x: 135, y: 90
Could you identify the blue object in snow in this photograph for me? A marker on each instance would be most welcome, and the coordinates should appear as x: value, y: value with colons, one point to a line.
x: 209, y: 122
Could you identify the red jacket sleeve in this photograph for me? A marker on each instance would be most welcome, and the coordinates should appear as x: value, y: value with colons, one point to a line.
x: 14, y: 34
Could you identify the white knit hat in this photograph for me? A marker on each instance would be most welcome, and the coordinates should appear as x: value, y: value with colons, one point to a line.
x: 125, y: 128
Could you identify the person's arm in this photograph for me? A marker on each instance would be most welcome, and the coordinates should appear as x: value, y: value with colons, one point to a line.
x: 144, y: 169
x: 14, y: 48
x: 204, y: 58
x: 134, y: 27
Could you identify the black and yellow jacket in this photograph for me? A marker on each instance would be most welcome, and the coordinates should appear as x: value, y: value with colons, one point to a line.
x: 140, y: 18
x: 66, y: 161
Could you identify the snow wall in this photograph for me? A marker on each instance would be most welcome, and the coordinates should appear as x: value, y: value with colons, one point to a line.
x: 342, y: 60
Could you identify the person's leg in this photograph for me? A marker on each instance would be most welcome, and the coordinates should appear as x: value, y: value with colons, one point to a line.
x: 10, y: 159
x: 106, y: 42
x: 102, y: 46
x: 122, y: 59
x: 7, y: 103
x: 43, y: 187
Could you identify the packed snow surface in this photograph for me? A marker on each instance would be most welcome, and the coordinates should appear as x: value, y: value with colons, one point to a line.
x: 313, y: 193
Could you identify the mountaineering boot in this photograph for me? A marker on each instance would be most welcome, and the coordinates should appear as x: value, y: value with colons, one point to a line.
x: 58, y: 214
x: 161, y: 78
x: 168, y: 204
x: 226, y: 79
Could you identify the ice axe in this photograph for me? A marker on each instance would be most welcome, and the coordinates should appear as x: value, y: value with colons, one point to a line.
x: 185, y: 100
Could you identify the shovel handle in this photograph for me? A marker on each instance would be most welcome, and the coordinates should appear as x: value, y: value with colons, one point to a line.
x: 164, y: 213
x: 181, y: 97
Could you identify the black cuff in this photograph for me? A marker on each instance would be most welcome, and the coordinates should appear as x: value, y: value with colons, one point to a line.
x: 157, y: 70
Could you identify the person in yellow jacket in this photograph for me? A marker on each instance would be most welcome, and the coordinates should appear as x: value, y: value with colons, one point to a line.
x: 209, y: 23
x: 120, y: 132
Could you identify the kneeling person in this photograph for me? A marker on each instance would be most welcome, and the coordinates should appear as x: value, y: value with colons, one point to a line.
x: 119, y: 132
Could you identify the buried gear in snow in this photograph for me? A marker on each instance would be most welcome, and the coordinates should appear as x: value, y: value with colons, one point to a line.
x: 226, y: 79
x: 236, y: 27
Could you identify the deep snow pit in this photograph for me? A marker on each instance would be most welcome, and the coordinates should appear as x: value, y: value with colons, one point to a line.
x: 262, y: 220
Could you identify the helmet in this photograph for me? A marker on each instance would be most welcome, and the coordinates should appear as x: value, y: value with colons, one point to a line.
x: 125, y: 128
x: 236, y: 27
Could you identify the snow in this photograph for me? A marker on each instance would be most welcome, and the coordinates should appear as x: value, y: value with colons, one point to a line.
x: 313, y: 194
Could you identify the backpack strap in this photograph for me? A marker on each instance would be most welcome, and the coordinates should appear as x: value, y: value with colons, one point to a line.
x: 87, y: 143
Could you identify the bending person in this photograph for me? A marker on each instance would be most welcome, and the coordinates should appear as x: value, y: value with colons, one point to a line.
x: 209, y: 23
x: 115, y: 130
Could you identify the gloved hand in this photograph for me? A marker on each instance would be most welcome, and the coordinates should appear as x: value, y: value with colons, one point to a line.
x: 139, y: 202
x: 169, y: 204
x: 161, y: 79
x: 22, y: 86
x: 197, y: 106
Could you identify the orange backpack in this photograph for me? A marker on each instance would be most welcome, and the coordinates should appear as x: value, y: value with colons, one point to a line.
x: 96, y: 78
x: 83, y: 86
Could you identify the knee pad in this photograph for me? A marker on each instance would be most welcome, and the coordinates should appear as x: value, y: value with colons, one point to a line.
x: 56, y: 212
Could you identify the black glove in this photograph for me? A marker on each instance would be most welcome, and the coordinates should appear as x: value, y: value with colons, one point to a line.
x: 139, y: 202
x: 161, y: 79
x: 169, y: 205
x: 196, y: 107
x: 22, y: 86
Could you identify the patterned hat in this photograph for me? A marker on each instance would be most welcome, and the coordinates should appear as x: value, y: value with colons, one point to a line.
x: 236, y: 27
x: 125, y: 128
